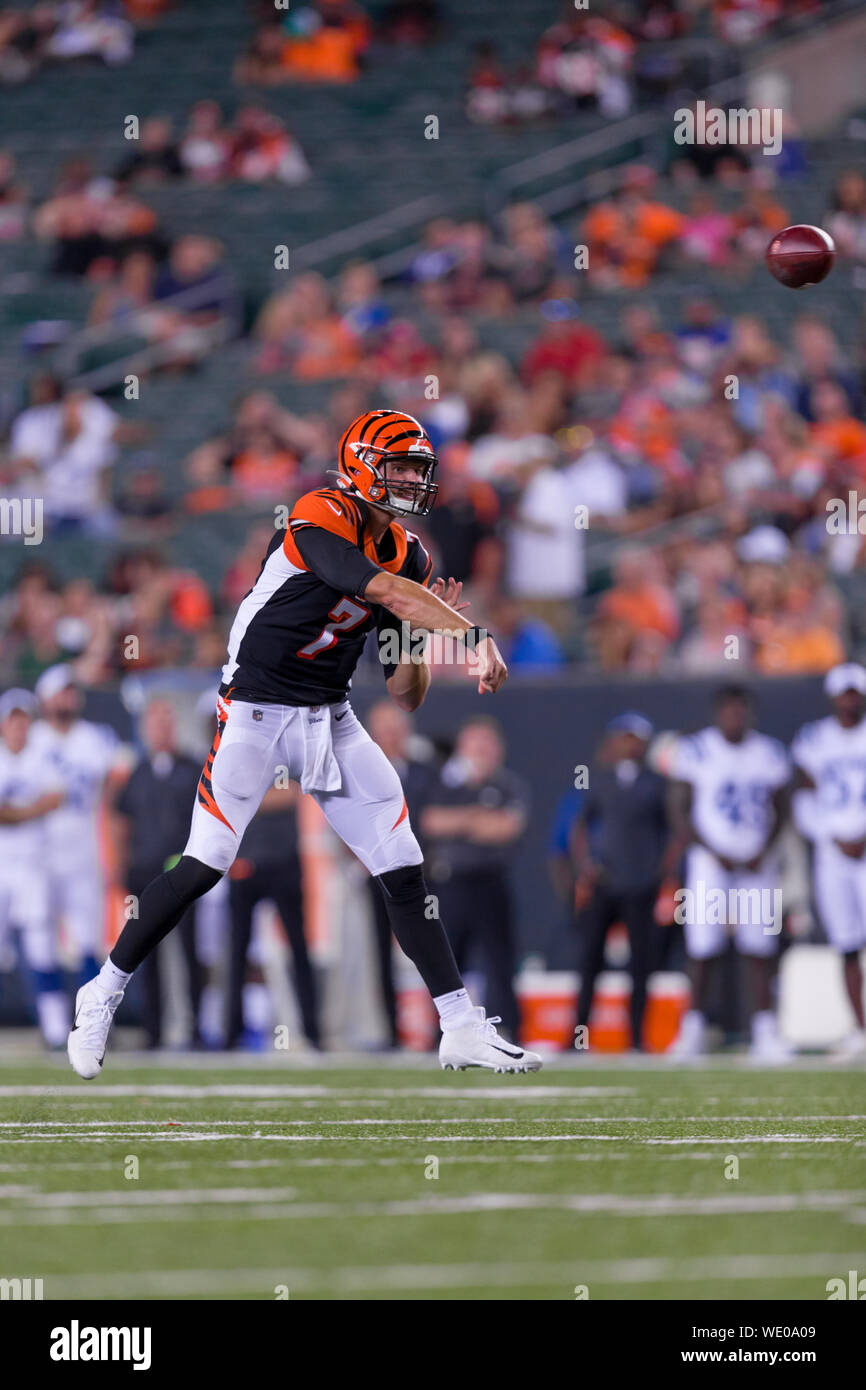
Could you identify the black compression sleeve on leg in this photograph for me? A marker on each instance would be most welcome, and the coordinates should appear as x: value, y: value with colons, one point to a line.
x: 161, y: 906
x: 422, y: 938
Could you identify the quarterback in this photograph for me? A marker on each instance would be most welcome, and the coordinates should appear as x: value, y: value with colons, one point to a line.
x: 344, y: 567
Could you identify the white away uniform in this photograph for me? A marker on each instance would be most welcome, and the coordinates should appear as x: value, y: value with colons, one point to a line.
x: 835, y: 759
x: 732, y: 811
x: 81, y: 758
x: 24, y: 777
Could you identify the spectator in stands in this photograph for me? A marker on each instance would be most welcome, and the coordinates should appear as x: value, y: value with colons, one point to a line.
x: 545, y: 561
x: 636, y: 621
x: 24, y: 37
x: 466, y: 512
x: 89, y: 219
x: 628, y: 234
x: 71, y: 220
x: 529, y: 253
x: 195, y: 294
x: 205, y: 147
x: 836, y: 431
x: 846, y: 220
x: 123, y: 300
x: 263, y: 64
x: 263, y: 149
x: 487, y: 100
x: 707, y: 647
x: 565, y: 346
x: 362, y: 306
x: 321, y: 42
x: 91, y: 29
x: 62, y: 447
x: 755, y: 221
x: 261, y: 449
x: 528, y: 645
x: 154, y: 157
x: 244, y: 568
x: 818, y: 356
x: 299, y: 331
x: 745, y: 21
x: 588, y: 59
x: 707, y: 232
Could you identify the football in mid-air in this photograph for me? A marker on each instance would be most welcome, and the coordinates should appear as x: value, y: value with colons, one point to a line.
x: 800, y: 256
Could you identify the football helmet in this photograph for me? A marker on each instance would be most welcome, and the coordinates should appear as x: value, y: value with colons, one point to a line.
x: 375, y: 442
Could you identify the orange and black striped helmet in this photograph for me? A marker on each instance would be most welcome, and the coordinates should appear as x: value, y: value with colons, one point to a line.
x: 379, y: 441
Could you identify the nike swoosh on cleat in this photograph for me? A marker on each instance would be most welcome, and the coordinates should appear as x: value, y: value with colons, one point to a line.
x: 505, y: 1050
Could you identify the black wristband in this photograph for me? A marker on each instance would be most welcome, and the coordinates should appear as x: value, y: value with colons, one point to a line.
x: 473, y: 635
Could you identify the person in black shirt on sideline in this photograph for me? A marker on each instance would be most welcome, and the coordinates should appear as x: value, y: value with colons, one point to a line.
x: 476, y: 812
x: 622, y: 843
x: 151, y: 825
x: 268, y: 868
x: 391, y: 728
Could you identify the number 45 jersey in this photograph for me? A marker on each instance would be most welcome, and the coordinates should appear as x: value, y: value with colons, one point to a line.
x: 732, y: 788
x: 299, y: 632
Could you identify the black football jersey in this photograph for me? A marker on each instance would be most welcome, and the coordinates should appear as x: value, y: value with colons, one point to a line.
x: 299, y: 632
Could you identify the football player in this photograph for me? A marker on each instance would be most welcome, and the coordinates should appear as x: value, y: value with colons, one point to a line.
x: 90, y: 762
x: 344, y: 566
x: 732, y: 805
x: 830, y: 809
x: 29, y: 793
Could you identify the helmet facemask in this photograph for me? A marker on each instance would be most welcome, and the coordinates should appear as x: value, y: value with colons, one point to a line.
x: 403, y: 497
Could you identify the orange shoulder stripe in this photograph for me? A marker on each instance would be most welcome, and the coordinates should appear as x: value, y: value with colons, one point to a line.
x: 326, y: 508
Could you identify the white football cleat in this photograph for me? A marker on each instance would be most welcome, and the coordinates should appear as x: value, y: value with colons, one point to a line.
x: 476, y: 1043
x: 691, y: 1041
x: 854, y: 1045
x: 767, y: 1045
x: 94, y: 1015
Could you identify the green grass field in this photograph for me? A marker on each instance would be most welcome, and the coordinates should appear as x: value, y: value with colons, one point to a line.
x: 320, y: 1179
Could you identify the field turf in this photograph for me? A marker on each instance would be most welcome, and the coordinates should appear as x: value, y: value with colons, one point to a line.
x: 320, y: 1181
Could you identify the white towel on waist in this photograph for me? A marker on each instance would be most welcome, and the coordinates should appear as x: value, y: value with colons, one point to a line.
x: 321, y: 770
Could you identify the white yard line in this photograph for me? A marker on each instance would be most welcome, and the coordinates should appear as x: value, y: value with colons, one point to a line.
x: 62, y: 1125
x: 273, y: 1204
x: 501, y: 1274
x: 254, y: 1092
x: 191, y: 1137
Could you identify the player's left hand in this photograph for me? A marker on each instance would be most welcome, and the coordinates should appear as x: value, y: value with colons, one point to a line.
x: 492, y: 670
x: 449, y: 591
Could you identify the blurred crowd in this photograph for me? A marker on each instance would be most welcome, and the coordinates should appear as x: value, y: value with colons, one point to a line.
x: 708, y: 515
x: 631, y: 499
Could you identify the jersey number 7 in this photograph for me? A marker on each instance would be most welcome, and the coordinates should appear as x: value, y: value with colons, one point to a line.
x: 344, y: 616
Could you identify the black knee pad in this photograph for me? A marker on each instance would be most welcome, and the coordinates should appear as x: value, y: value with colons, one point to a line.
x: 190, y: 878
x: 404, y: 884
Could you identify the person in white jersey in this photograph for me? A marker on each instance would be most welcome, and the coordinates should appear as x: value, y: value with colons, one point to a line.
x: 731, y: 804
x: 29, y: 793
x: 88, y: 759
x: 830, y: 808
